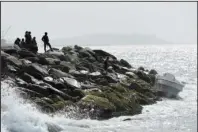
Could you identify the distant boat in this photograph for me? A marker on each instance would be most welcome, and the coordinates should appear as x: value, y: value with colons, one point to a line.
x: 168, y: 85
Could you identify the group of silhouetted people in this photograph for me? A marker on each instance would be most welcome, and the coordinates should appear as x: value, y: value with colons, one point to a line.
x: 29, y: 41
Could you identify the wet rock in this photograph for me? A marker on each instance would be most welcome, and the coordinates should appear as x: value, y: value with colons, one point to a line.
x: 25, y: 62
x: 87, y: 65
x: 57, y: 54
x: 28, y: 93
x: 143, y: 76
x: 44, y: 106
x: 36, y: 71
x: 52, y: 61
x: 111, y: 78
x: 125, y: 63
x: 9, y: 50
x: 13, y: 60
x: 102, y: 105
x: 67, y: 49
x: 33, y: 59
x: 55, y: 91
x: 11, y: 69
x: 67, y: 66
x: 48, y: 100
x: 53, y: 128
x: 26, y: 53
x: 120, y: 69
x: 58, y: 74
x: 103, y: 54
x: 135, y: 86
x: 131, y: 75
x: 72, y: 83
x: 83, y: 54
x: 4, y: 54
x: 76, y: 93
x: 77, y: 47
x: 153, y: 72
x: 56, y: 83
x: 141, y: 68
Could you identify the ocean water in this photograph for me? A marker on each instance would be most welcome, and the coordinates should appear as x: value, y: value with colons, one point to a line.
x: 18, y: 115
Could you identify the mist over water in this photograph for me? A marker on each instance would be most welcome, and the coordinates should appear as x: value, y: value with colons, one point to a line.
x: 18, y: 115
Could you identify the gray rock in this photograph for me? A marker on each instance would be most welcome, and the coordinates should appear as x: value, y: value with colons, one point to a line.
x: 32, y: 59
x: 67, y: 66
x: 103, y: 54
x: 125, y: 63
x: 13, y: 60
x: 26, y: 53
x: 36, y: 71
x: 153, y: 72
x: 131, y: 75
x: 58, y: 74
x: 72, y: 82
x: 52, y: 61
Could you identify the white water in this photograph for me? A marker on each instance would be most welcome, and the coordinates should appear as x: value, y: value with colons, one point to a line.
x: 165, y: 116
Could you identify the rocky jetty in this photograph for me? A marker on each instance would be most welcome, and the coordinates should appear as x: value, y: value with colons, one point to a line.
x: 75, y: 77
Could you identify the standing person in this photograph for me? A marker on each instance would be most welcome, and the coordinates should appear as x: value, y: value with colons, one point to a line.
x: 106, y: 64
x: 45, y: 39
x: 22, y: 42
x: 17, y: 42
x: 34, y: 41
x: 30, y: 36
x: 26, y: 37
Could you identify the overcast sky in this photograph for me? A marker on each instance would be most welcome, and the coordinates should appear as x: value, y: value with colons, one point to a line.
x: 176, y: 22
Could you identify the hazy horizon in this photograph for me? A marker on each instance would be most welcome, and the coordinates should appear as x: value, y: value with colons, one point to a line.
x: 174, y: 22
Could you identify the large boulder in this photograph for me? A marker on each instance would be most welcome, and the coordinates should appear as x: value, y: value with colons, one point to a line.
x: 122, y: 101
x: 71, y: 83
x: 143, y: 76
x: 67, y: 66
x: 36, y: 71
x: 125, y: 63
x: 14, y: 61
x: 25, y: 53
x: 98, y: 106
x: 9, y: 50
x: 153, y: 72
x: 58, y: 74
x: 33, y: 59
x: 103, y: 54
x: 52, y: 61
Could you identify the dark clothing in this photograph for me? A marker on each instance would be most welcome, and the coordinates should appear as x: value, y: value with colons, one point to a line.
x: 48, y: 44
x: 106, y: 64
x: 34, y: 42
x: 28, y: 38
x: 22, y: 44
x: 17, y: 42
x: 45, y: 39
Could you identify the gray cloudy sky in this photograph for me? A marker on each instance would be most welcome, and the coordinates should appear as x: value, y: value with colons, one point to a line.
x: 176, y: 22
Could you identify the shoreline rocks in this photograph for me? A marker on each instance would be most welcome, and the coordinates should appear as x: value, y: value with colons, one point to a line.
x: 75, y: 76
